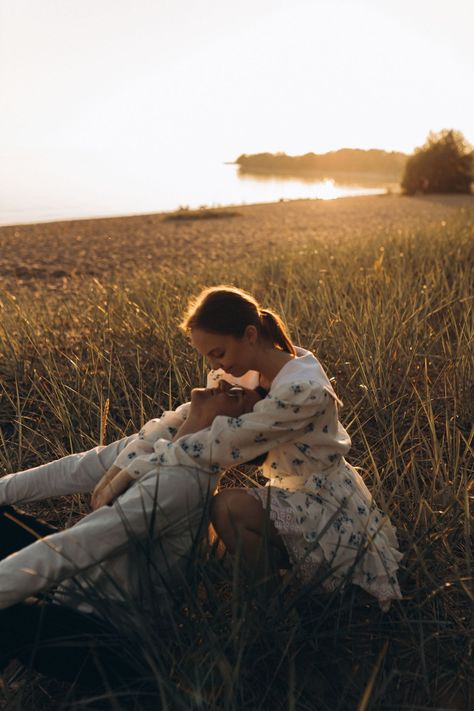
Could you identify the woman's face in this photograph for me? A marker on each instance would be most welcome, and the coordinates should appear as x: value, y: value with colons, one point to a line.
x: 234, y: 355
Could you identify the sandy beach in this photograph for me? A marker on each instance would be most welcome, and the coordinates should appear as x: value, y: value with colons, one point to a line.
x: 56, y: 255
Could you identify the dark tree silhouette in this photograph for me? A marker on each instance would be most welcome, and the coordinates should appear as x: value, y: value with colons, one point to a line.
x: 444, y: 164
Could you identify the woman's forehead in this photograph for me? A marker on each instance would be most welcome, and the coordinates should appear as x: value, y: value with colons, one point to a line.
x: 205, y: 341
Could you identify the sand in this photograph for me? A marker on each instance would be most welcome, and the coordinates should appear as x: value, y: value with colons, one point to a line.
x: 56, y: 255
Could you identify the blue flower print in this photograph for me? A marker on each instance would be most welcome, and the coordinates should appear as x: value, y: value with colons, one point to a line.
x: 281, y: 405
x: 297, y: 462
x: 325, y: 428
x: 333, y: 457
x: 348, y: 481
x: 235, y: 453
x: 234, y: 422
x: 197, y: 449
x: 296, y: 388
x: 309, y: 427
x: 172, y: 431
x: 153, y: 459
x: 184, y: 445
x: 318, y: 482
x: 274, y: 465
x: 131, y: 455
x: 214, y: 468
x: 162, y: 459
x: 355, y: 539
x: 303, y: 448
x: 296, y: 409
x: 260, y: 438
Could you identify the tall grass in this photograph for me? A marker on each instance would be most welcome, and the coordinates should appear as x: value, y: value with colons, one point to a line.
x: 390, y: 316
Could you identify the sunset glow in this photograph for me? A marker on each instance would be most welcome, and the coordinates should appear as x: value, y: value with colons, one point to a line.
x: 138, y: 84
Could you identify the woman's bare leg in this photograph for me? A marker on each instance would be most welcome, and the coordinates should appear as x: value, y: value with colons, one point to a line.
x: 243, y: 525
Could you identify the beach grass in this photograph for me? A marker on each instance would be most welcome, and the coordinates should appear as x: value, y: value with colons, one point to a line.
x: 381, y: 290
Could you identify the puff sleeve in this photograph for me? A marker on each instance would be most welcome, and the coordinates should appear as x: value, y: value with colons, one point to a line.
x: 162, y: 428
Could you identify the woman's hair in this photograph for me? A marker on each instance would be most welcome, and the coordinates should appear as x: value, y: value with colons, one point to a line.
x: 228, y: 310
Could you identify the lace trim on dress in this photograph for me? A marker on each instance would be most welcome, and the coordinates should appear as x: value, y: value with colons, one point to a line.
x: 307, y: 562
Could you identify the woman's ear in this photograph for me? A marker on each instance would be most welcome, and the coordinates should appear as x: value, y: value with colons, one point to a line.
x: 251, y: 334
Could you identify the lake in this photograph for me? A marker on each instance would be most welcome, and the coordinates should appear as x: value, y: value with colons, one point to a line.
x: 85, y: 186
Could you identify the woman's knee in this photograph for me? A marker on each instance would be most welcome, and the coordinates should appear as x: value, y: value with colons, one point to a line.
x: 235, y: 508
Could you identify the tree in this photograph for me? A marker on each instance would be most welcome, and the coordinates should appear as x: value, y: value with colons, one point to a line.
x: 444, y: 164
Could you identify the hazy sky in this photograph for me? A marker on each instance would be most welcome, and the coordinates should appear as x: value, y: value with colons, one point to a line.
x: 220, y: 78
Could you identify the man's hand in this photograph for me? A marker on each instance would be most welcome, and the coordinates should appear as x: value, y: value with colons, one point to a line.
x: 114, y: 482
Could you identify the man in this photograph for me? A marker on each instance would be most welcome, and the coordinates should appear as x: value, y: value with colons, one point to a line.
x: 116, y: 558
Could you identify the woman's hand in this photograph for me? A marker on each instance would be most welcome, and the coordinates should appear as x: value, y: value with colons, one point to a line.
x: 114, y: 482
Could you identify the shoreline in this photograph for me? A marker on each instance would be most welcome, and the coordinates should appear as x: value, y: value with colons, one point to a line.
x: 203, y: 208
x: 384, y: 193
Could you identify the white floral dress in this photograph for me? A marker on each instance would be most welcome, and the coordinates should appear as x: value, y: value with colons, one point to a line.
x: 319, y: 502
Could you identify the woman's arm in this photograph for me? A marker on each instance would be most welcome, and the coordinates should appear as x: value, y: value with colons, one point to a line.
x: 285, y: 415
x: 165, y: 427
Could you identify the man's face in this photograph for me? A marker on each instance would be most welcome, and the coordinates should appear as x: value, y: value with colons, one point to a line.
x: 224, y: 400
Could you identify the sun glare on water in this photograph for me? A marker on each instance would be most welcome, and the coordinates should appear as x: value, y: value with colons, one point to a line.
x: 328, y: 190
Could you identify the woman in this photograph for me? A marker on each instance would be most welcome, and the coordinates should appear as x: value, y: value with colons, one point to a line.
x: 117, y: 555
x: 322, y: 513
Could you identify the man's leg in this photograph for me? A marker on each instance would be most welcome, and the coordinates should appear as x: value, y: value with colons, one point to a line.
x: 168, y: 510
x: 18, y: 529
x: 63, y: 643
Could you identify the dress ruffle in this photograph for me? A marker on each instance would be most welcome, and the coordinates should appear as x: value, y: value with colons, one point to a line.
x: 333, y: 526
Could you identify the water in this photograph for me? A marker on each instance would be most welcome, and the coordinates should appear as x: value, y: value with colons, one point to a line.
x: 84, y: 186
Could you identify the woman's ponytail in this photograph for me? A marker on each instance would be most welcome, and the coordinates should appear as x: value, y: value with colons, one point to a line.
x: 274, y: 329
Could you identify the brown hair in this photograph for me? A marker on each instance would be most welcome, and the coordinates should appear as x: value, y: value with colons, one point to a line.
x: 228, y: 310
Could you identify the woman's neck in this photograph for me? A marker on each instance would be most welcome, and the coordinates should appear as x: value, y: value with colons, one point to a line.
x: 269, y: 363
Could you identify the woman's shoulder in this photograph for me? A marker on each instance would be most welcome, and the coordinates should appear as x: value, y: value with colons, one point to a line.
x: 302, y: 378
x: 305, y: 368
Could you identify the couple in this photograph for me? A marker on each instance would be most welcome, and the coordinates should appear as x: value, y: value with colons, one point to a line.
x: 320, y: 511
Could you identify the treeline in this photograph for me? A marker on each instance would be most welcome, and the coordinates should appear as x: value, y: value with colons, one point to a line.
x: 345, y: 160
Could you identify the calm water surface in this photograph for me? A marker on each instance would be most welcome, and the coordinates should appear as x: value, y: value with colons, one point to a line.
x: 36, y: 191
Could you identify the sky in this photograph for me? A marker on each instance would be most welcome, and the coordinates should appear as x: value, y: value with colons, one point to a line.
x: 225, y: 77
x: 129, y: 83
